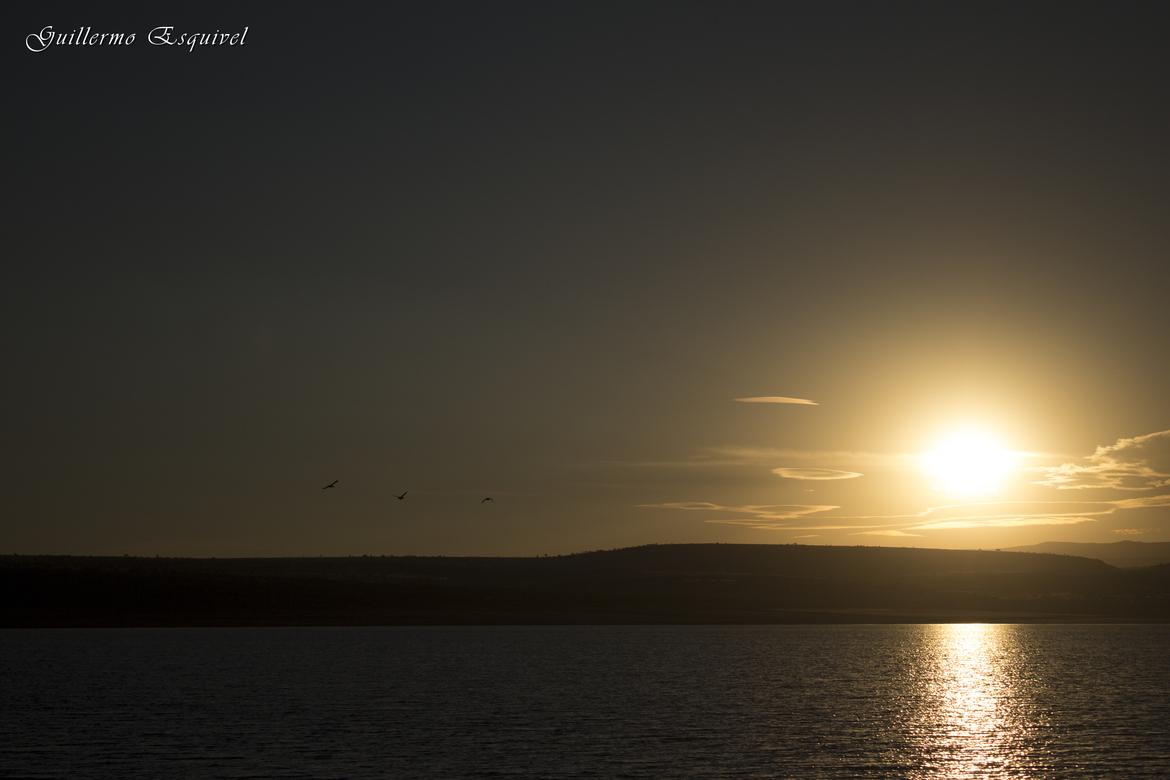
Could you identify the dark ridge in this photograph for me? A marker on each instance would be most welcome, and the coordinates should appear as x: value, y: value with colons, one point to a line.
x: 699, y: 583
x: 1126, y: 553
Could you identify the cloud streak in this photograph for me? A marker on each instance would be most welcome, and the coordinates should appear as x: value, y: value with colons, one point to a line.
x: 756, y: 511
x: 1003, y: 522
x: 767, y: 517
x: 775, y: 399
x: 1134, y: 463
x: 732, y: 455
x: 996, y: 514
x: 815, y: 474
x: 949, y: 517
x: 1144, y: 502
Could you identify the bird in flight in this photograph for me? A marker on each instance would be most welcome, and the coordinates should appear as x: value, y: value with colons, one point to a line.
x: 400, y: 497
x: 486, y: 500
x: 332, y: 484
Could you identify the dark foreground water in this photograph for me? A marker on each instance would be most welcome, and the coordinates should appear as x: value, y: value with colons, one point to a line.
x: 607, y: 702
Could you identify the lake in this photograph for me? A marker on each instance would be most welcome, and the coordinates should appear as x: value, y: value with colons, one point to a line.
x: 960, y: 700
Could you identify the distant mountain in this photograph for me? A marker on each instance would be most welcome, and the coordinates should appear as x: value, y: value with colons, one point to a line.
x: 1126, y: 554
x: 688, y: 583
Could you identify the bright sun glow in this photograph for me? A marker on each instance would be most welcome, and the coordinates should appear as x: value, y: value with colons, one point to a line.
x: 969, y: 463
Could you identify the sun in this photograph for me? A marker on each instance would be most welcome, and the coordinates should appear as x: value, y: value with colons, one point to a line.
x: 968, y: 463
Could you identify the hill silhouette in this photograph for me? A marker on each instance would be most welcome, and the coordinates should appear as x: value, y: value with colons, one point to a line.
x: 1127, y: 553
x: 700, y: 583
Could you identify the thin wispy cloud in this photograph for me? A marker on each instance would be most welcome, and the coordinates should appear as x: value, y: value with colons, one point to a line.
x: 1134, y: 463
x: 949, y: 517
x: 787, y: 472
x: 755, y: 511
x: 776, y: 399
x: 838, y: 460
x: 1033, y: 513
x: 734, y: 455
x: 1144, y: 502
x: 999, y: 514
x: 1138, y: 463
x: 766, y: 517
x: 1002, y: 522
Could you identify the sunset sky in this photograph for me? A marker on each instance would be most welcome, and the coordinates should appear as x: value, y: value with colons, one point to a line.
x: 828, y: 273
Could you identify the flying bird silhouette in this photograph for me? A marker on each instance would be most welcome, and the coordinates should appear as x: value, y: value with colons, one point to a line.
x: 486, y: 500
x: 404, y: 492
x: 332, y: 484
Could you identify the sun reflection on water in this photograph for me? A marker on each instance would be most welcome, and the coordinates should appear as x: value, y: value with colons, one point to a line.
x: 972, y: 722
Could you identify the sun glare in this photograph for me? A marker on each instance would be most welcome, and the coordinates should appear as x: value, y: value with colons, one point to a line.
x: 968, y: 463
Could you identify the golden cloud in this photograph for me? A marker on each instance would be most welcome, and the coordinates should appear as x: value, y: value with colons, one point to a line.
x: 776, y: 399
x: 815, y: 474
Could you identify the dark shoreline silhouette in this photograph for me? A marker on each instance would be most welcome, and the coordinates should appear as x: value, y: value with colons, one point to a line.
x: 1123, y: 554
x: 655, y: 584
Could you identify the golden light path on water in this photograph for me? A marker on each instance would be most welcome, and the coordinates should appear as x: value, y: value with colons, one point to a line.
x: 974, y: 720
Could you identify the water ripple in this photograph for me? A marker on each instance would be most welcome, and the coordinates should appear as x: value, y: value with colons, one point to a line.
x: 949, y: 701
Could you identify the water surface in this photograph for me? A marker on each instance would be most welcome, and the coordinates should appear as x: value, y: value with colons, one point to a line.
x: 705, y: 701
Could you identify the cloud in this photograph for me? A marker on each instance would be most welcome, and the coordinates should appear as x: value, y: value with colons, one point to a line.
x: 948, y: 517
x: 1002, y: 522
x: 995, y: 509
x: 835, y: 460
x: 767, y: 517
x: 1129, y: 531
x: 1133, y: 463
x: 733, y: 455
x: 1001, y: 514
x: 1017, y: 514
x: 1143, y: 502
x: 776, y: 399
x: 757, y: 512
x: 783, y: 527
x: 815, y: 474
x: 764, y: 517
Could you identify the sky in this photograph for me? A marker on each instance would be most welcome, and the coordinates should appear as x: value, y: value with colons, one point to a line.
x: 537, y: 251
